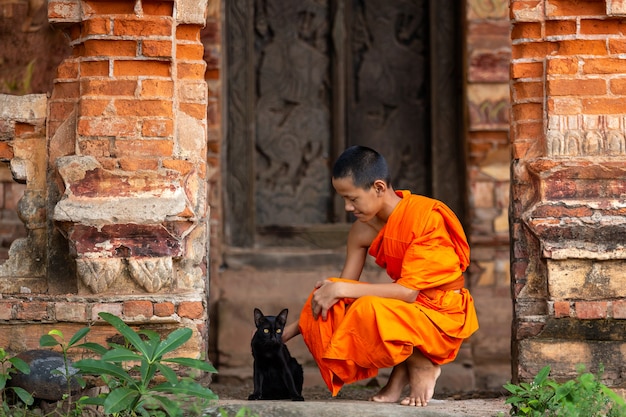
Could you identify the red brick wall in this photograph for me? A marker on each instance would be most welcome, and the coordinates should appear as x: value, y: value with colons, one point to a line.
x: 567, y: 135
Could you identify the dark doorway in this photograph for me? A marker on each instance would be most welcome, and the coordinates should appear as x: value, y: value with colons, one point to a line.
x: 307, y: 78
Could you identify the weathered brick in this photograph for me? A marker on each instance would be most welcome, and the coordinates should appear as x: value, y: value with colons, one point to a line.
x: 135, y: 164
x: 60, y: 110
x: 618, y: 86
x: 73, y: 312
x: 109, y: 7
x: 563, y: 66
x: 145, y: 27
x: 615, y: 105
x: 197, y: 111
x: 138, y: 309
x: 66, y: 90
x: 602, y: 27
x: 560, y: 27
x: 559, y: 8
x: 526, y: 90
x: 68, y: 69
x: 6, y: 151
x: 152, y: 48
x: 157, y: 88
x: 561, y: 309
x: 97, y: 26
x: 526, y: 30
x: 141, y: 68
x: 164, y: 309
x: 582, y: 47
x: 157, y: 128
x: 591, y: 309
x: 158, y: 8
x: 108, y: 48
x: 142, y: 108
x: 112, y: 308
x: 564, y: 105
x: 534, y: 50
x: 6, y: 310
x: 95, y: 147
x: 619, y: 309
x: 184, y: 167
x: 191, y: 309
x: 98, y: 68
x: 188, y: 33
x: 193, y: 51
x: 617, y: 46
x: 142, y: 148
x: 531, y: 130
x: 572, y: 87
x: 526, y: 70
x: 187, y: 70
x: 604, y: 66
x: 109, y: 126
x: 528, y: 111
x: 32, y: 310
x: 93, y: 106
x: 108, y: 87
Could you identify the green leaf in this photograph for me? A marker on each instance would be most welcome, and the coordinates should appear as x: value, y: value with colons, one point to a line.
x: 92, y: 400
x: 120, y: 399
x: 77, y: 336
x: 98, y: 367
x: 186, y: 388
x: 20, y: 365
x: 174, y: 340
x: 130, y: 335
x: 542, y: 375
x: 47, y: 341
x: 24, y: 395
x: 171, y: 407
x: 193, y: 363
x: 94, y: 347
x: 3, y: 380
x: 167, y: 372
x: 121, y: 354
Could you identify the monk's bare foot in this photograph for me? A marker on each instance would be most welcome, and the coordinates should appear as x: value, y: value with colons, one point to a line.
x: 423, y: 376
x: 391, y: 392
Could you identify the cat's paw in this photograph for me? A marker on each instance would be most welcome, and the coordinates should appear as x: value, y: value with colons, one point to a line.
x: 254, y: 396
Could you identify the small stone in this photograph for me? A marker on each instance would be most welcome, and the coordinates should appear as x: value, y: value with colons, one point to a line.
x: 42, y: 382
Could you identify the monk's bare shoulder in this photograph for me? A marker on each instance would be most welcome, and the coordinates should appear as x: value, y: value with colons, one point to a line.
x: 362, y: 234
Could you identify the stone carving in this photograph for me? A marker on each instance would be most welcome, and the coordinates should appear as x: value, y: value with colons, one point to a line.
x: 292, y: 113
x: 387, y: 107
x: 152, y: 274
x: 586, y: 136
x: 99, y: 273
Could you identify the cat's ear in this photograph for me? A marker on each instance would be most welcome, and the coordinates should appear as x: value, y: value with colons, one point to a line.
x: 281, y: 319
x: 258, y: 315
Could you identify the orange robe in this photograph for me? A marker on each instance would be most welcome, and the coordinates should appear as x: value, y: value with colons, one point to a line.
x: 422, y: 247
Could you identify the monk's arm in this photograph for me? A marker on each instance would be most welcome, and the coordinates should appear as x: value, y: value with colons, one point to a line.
x: 359, y: 239
x: 329, y: 292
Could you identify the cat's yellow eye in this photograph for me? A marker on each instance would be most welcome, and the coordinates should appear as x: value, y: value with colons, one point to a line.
x: 266, y: 330
x: 279, y: 330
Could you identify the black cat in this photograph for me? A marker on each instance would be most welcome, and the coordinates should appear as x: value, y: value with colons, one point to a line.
x: 277, y: 375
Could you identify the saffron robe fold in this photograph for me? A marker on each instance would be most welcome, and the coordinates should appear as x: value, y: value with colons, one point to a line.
x: 422, y: 247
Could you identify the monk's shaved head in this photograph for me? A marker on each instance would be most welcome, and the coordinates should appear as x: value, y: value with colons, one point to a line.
x: 363, y: 164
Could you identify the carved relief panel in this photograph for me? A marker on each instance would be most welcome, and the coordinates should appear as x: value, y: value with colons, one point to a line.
x: 309, y: 78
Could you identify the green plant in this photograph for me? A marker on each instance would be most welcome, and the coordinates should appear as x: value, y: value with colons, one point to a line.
x: 23, y: 86
x: 8, y: 366
x: 55, y: 338
x: 133, y: 391
x: 584, y: 396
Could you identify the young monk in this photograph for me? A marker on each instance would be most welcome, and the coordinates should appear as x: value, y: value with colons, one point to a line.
x: 416, y: 322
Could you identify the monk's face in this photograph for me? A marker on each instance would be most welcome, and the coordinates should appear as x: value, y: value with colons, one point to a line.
x: 364, y: 204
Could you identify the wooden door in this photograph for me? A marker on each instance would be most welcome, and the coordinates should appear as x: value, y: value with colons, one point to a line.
x: 307, y: 78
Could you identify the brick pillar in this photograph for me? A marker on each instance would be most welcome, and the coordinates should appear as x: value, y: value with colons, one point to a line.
x: 569, y: 182
x: 127, y: 135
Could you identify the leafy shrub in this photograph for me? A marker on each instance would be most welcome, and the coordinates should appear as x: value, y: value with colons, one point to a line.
x: 133, y: 391
x: 9, y: 366
x: 584, y: 396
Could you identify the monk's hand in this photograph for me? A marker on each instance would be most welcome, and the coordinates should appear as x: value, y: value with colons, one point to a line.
x: 324, y: 297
